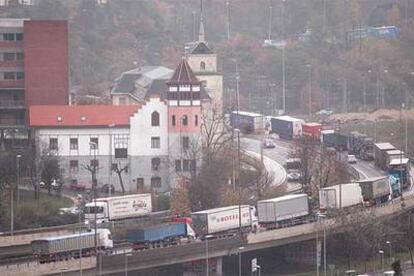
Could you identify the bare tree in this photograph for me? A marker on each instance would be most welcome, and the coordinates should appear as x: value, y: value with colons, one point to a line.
x: 180, y: 202
x: 119, y: 169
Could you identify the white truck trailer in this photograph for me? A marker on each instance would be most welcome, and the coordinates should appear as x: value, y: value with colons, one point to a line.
x: 340, y: 196
x: 224, y: 219
x: 288, y: 207
x: 118, y: 208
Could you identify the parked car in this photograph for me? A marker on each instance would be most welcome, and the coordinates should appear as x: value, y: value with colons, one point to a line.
x: 352, y: 159
x: 108, y: 188
x: 55, y: 184
x: 76, y: 185
x: 42, y: 185
x: 269, y: 144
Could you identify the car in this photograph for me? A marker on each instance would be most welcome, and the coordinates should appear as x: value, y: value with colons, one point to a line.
x: 325, y: 112
x: 55, y: 184
x: 293, y: 175
x: 42, y: 185
x: 269, y: 144
x: 352, y: 159
x: 76, y: 185
x: 108, y: 189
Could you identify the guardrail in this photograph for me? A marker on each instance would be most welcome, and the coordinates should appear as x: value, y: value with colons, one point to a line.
x: 43, y: 229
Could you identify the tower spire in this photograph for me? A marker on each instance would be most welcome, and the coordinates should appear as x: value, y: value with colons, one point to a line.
x: 201, y: 33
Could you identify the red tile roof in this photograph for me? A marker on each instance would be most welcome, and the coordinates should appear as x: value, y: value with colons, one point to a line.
x: 183, y: 75
x: 81, y: 115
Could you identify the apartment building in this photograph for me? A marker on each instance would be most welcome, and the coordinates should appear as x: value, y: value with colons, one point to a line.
x: 34, y: 70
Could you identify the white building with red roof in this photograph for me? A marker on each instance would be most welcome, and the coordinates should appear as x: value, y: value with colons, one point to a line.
x: 159, y: 138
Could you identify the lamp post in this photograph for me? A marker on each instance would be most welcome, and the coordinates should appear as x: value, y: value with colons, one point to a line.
x: 381, y: 252
x: 126, y: 262
x: 240, y: 252
x: 364, y: 93
x: 283, y: 59
x: 310, y: 88
x: 390, y: 250
x: 94, y: 146
x: 207, y: 266
x: 320, y: 218
x: 12, y: 194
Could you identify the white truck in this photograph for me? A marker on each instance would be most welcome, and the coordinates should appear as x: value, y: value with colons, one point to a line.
x: 342, y: 195
x: 117, y: 208
x: 288, y: 207
x: 224, y: 219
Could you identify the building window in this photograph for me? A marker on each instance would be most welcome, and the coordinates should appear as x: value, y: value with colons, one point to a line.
x: 155, y: 142
x: 186, y: 142
x: 140, y: 184
x: 185, y: 120
x: 155, y: 118
x: 202, y: 65
x: 196, y: 120
x: 19, y: 56
x: 74, y: 166
x: 173, y: 120
x: 121, y: 145
x: 122, y: 101
x: 121, y: 153
x: 155, y: 182
x: 155, y: 163
x: 178, y: 165
x: 189, y: 165
x: 9, y: 75
x: 20, y: 75
x: 53, y: 143
x: 74, y: 143
x: 94, y: 143
x: 8, y: 56
x: 19, y: 37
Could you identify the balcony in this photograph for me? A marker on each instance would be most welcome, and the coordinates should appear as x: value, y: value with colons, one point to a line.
x: 11, y: 44
x: 12, y: 84
x: 12, y: 123
x: 11, y: 104
x: 12, y: 64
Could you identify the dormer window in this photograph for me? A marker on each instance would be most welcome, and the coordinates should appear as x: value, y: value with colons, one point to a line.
x: 202, y: 65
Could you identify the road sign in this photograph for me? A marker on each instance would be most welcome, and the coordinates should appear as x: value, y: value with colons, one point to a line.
x: 254, y: 265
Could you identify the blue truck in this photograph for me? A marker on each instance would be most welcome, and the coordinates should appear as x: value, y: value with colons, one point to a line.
x: 335, y: 140
x: 400, y: 169
x: 247, y: 122
x: 160, y: 235
x: 287, y: 127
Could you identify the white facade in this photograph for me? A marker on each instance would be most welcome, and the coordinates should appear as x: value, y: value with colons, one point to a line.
x: 133, y: 145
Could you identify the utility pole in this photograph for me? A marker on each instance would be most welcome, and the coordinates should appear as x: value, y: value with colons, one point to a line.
x: 310, y: 89
x: 283, y: 60
x: 228, y: 20
x: 269, y: 36
x: 364, y: 93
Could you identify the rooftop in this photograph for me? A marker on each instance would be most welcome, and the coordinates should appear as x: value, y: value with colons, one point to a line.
x: 143, y: 82
x: 184, y: 75
x: 81, y: 115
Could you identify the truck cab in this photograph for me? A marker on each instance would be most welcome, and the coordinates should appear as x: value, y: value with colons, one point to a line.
x: 105, y: 238
x: 255, y: 219
x: 98, y: 208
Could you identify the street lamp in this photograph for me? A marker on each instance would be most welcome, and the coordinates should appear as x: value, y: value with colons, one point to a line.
x: 390, y: 249
x: 381, y: 252
x: 12, y: 194
x: 320, y: 217
x: 126, y: 262
x: 94, y: 146
x: 240, y: 252
x: 310, y: 88
x: 207, y: 266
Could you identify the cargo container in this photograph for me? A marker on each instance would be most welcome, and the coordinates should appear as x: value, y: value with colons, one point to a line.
x: 361, y: 145
x: 400, y: 168
x: 60, y: 247
x: 375, y: 190
x: 380, y: 157
x: 393, y: 154
x: 117, y: 208
x: 247, y: 122
x: 342, y: 195
x: 335, y: 140
x: 313, y: 130
x: 282, y: 208
x: 325, y: 133
x: 165, y: 233
x: 224, y: 219
x: 287, y: 127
